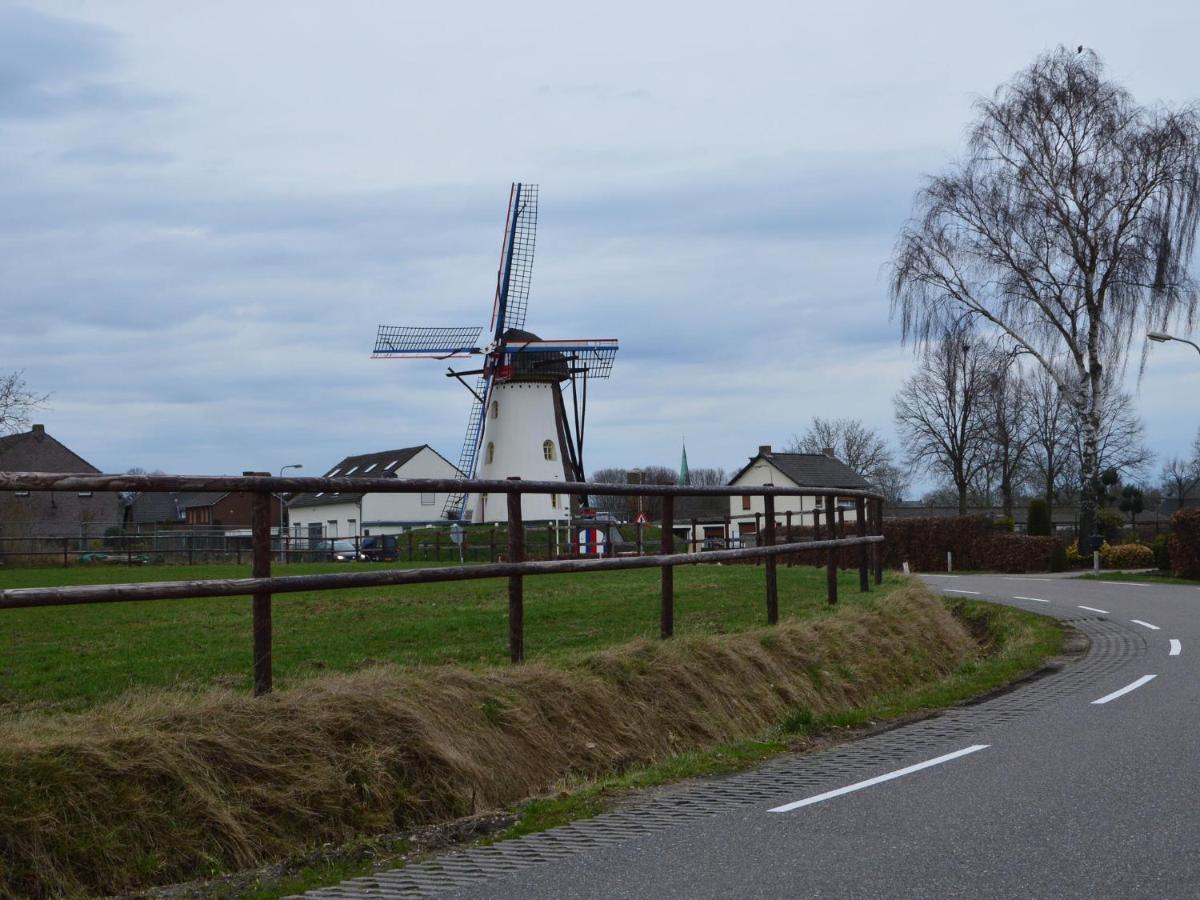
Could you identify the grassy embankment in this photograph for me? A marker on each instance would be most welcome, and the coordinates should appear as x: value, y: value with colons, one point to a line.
x: 165, y: 785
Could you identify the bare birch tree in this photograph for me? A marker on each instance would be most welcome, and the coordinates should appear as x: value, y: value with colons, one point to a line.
x: 1068, y: 227
x: 1050, y: 443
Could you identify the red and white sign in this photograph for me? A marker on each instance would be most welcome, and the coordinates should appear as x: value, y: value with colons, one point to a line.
x: 641, y: 519
x: 591, y: 542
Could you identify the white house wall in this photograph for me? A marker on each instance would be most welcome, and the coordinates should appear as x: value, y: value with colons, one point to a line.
x: 801, y: 508
x: 389, y: 513
x: 380, y: 513
x: 524, y: 420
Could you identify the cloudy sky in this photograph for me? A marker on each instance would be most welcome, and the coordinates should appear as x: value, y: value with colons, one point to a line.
x: 207, y: 208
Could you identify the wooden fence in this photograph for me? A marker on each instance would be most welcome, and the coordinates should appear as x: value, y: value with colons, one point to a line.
x: 261, y: 586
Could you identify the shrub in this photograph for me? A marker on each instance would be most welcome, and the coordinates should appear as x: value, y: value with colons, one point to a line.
x: 1184, y: 546
x: 1109, y: 523
x: 1126, y: 556
x: 1162, y: 555
x: 1039, y: 517
x: 1058, y: 558
x: 1004, y: 523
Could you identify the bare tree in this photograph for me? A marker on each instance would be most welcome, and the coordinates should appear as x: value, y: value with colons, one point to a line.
x: 652, y: 506
x: 1180, y: 476
x: 708, y: 477
x: 1008, y: 424
x: 18, y: 403
x: 1069, y: 226
x: 1050, y: 440
x: 859, y: 447
x: 940, y: 412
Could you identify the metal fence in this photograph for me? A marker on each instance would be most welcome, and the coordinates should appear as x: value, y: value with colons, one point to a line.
x: 261, y: 586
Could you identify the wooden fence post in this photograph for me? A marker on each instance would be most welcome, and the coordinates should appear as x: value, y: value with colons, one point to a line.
x: 860, y: 529
x: 877, y: 550
x: 831, y: 560
x: 818, y: 555
x: 772, y: 582
x: 666, y: 623
x: 549, y: 541
x: 791, y: 560
x: 492, y: 545
x: 516, y: 586
x: 260, y: 530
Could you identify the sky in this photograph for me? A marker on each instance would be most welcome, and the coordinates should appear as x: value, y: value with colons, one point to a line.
x: 206, y: 210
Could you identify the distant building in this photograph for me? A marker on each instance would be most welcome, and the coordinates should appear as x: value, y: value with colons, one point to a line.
x: 227, y: 511
x: 44, y: 513
x: 331, y: 515
x: 821, y: 470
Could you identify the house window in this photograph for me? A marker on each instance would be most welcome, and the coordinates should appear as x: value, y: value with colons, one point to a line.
x: 548, y: 449
x: 819, y: 502
x: 85, y: 493
x: 491, y: 453
x: 352, y: 525
x: 495, y: 409
x: 332, y: 527
x: 554, y: 501
x: 745, y: 501
x: 21, y: 493
x: 428, y: 499
x: 315, y: 531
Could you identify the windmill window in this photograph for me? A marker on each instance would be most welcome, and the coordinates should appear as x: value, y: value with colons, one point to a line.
x: 491, y: 453
x: 495, y: 410
x: 548, y: 449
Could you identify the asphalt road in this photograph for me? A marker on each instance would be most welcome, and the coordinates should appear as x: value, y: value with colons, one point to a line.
x: 1059, y: 796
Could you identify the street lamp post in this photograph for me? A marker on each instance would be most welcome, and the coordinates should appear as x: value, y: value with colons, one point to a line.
x: 283, y: 523
x: 1160, y: 337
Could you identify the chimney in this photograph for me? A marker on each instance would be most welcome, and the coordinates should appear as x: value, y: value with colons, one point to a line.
x: 764, y: 449
x: 247, y: 474
x: 38, y: 429
x: 828, y: 451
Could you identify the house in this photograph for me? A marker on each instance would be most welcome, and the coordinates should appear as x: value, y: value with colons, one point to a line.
x: 821, y: 470
x: 331, y: 515
x: 43, y: 513
x: 228, y: 511
x: 154, y: 511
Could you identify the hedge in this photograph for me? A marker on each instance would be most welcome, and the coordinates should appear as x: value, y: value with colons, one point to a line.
x: 923, y: 544
x: 1184, y: 547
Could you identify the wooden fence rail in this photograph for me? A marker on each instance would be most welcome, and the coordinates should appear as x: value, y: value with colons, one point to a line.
x: 262, y: 585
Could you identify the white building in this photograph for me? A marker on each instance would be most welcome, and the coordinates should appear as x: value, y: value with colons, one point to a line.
x: 332, y: 515
x: 821, y: 470
x: 523, y: 436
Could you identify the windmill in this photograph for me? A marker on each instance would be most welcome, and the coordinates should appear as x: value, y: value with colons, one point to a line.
x: 518, y: 424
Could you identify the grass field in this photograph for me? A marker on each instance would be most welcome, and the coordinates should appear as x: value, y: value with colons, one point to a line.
x: 71, y: 658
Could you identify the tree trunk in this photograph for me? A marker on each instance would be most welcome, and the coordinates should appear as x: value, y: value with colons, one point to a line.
x: 962, y: 498
x: 1006, y: 496
x: 1089, y: 472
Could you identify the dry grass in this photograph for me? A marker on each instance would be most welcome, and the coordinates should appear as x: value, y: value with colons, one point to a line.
x: 165, y: 786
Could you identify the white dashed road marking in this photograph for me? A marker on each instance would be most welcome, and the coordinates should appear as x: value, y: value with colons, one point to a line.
x: 1176, y: 647
x: 1093, y: 609
x: 1125, y: 690
x: 954, y: 591
x: 1144, y: 624
x: 828, y: 795
x: 1034, y: 599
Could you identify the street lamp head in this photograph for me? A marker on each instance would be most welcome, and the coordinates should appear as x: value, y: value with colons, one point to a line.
x: 1159, y: 337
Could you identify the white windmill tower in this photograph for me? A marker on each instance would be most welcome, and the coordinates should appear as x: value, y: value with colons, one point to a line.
x: 519, y: 425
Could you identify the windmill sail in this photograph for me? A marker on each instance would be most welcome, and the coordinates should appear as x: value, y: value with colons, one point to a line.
x: 470, y: 448
x: 516, y: 260
x: 439, y: 343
